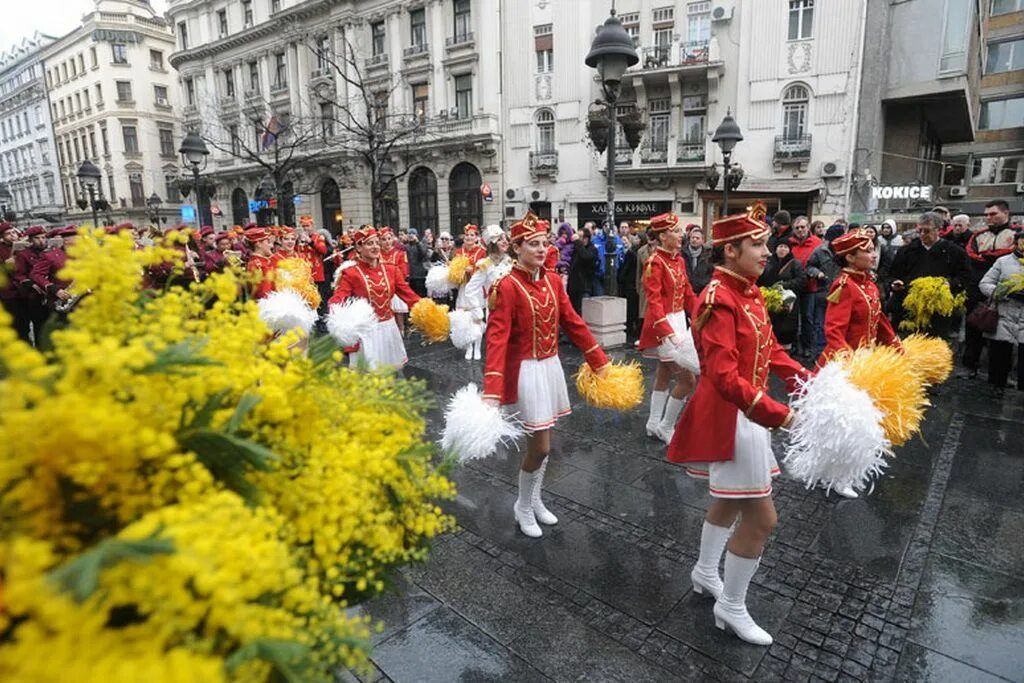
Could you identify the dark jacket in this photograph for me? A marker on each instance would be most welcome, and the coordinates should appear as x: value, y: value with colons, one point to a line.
x: 582, y: 268
x: 416, y: 255
x: 626, y: 276
x: 698, y: 269
x: 944, y: 259
x: 821, y: 261
x: 788, y: 272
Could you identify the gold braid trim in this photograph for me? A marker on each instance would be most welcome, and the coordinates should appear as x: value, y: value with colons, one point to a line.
x: 837, y: 292
x: 708, y: 303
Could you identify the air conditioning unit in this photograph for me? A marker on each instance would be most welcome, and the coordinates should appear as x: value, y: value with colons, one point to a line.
x: 832, y: 169
x: 1020, y: 188
x: 960, y: 191
x: 162, y: 101
x: 722, y: 11
x: 537, y: 195
x: 513, y: 194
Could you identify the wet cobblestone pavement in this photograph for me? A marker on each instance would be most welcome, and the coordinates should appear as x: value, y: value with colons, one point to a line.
x: 922, y: 580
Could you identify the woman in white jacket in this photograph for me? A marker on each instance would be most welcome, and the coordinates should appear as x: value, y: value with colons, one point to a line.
x: 1010, y: 330
x: 489, y: 270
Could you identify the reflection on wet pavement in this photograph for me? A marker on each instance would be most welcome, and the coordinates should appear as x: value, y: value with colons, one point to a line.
x: 922, y: 580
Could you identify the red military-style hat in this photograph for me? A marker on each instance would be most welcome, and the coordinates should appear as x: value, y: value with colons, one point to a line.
x: 35, y: 230
x: 256, y: 234
x: 226, y: 235
x: 739, y: 226
x: 473, y: 228
x: 385, y: 230
x: 69, y: 231
x: 529, y: 227
x: 206, y: 230
x: 664, y: 221
x: 851, y: 242
x: 362, y: 234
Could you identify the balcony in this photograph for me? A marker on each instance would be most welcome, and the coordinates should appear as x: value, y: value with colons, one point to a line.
x: 623, y: 156
x: 378, y: 61
x: 544, y: 163
x: 461, y: 40
x: 414, y: 51
x: 792, y: 148
x: 689, y: 152
x: 691, y: 54
x: 654, y: 155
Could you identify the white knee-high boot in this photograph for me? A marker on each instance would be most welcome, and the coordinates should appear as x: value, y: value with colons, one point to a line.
x: 523, y: 508
x: 542, y: 514
x: 667, y: 427
x: 704, y: 577
x: 476, y: 348
x: 658, y: 399
x: 731, y: 609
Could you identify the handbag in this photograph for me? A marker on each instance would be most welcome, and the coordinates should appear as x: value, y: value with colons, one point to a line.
x: 984, y: 317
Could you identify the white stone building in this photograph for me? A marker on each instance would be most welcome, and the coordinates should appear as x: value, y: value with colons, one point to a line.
x: 28, y: 158
x: 243, y: 64
x: 113, y: 100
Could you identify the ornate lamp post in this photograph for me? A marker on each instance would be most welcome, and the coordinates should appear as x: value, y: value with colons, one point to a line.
x: 89, y: 176
x: 727, y: 135
x: 194, y: 156
x: 611, y: 53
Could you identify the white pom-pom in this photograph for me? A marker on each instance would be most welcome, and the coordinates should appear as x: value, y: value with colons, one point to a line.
x: 339, y: 270
x: 472, y: 428
x: 285, y: 310
x: 437, y: 281
x: 350, y: 321
x: 464, y: 329
x: 836, y: 438
x: 684, y: 354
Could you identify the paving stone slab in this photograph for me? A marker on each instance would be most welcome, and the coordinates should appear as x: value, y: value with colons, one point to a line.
x: 918, y: 664
x: 990, y: 464
x: 976, y: 530
x: 405, y: 604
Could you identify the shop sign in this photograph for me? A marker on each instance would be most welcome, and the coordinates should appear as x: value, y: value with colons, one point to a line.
x: 902, y: 192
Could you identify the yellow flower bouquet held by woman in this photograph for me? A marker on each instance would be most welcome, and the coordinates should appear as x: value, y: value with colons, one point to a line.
x: 186, y: 497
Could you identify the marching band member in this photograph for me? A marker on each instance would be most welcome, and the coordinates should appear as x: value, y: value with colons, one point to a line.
x: 378, y: 283
x: 723, y: 434
x: 263, y: 259
x: 489, y: 270
x: 392, y: 254
x: 669, y: 296
x: 522, y: 369
x: 473, y: 252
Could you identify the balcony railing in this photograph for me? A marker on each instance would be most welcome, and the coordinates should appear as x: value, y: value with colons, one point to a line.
x: 415, y: 50
x: 623, y: 156
x: 377, y: 60
x: 460, y: 39
x: 544, y: 162
x: 792, y: 147
x: 656, y: 57
x: 693, y: 53
x: 664, y: 56
x: 655, y: 155
x: 689, y: 151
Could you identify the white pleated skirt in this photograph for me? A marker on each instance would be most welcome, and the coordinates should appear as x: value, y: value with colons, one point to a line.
x: 381, y: 347
x: 398, y: 306
x: 543, y: 396
x: 665, y: 352
x: 749, y: 474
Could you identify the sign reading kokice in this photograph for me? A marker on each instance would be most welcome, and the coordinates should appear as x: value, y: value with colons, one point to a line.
x: 902, y: 192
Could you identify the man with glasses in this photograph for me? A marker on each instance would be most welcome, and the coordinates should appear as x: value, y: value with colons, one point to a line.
x: 927, y: 255
x: 983, y: 248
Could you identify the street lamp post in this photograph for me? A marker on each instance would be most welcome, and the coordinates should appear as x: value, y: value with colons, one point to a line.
x: 611, y: 53
x: 193, y: 156
x: 89, y: 176
x: 727, y: 135
x: 154, y: 203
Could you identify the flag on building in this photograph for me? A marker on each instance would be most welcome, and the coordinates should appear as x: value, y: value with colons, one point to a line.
x: 273, y: 131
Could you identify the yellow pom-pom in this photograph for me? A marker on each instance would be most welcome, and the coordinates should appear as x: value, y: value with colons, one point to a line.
x: 931, y: 357
x: 773, y: 302
x: 894, y: 386
x: 620, y: 388
x: 296, y: 274
x: 430, y: 319
x: 929, y: 296
x: 458, y: 270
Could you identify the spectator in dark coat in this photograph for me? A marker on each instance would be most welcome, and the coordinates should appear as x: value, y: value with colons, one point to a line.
x: 698, y: 260
x: 581, y: 270
x: 928, y: 255
x: 565, y: 244
x: 416, y: 255
x: 781, y: 229
x: 822, y: 269
x: 626, y: 277
x: 785, y: 270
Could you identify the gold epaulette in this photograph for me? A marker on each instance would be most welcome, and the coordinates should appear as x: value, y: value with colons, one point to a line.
x: 710, y: 292
x: 492, y: 298
x: 483, y: 264
x: 648, y: 266
x: 837, y: 289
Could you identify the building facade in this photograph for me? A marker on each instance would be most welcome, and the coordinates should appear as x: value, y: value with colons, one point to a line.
x: 112, y: 100
x: 309, y: 107
x: 28, y: 158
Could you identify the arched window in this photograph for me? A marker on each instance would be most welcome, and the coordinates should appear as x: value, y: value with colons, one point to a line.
x: 330, y: 205
x: 464, y: 197
x: 794, y: 112
x: 545, y: 131
x: 239, y: 206
x: 423, y: 200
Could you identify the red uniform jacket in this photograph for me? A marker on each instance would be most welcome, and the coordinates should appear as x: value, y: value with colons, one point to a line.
x: 802, y: 252
x: 668, y: 290
x: 526, y: 312
x: 475, y: 254
x: 266, y: 266
x: 45, y: 269
x: 8, y: 290
x: 377, y: 284
x: 314, y: 253
x: 854, y: 316
x: 24, y: 261
x: 737, y: 349
x: 551, y: 258
x: 397, y: 259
